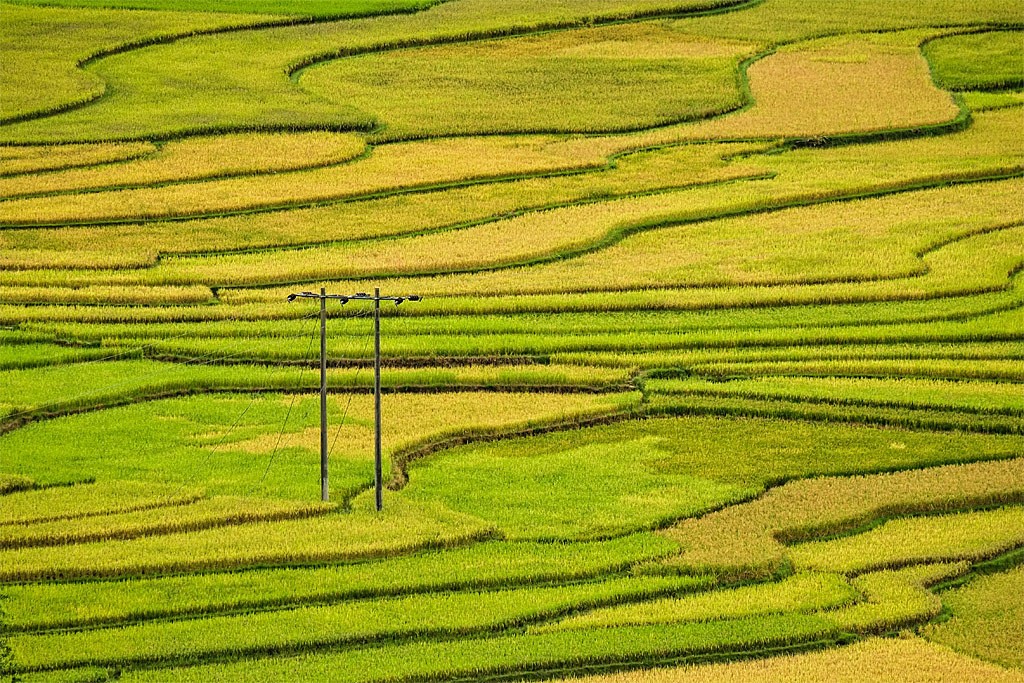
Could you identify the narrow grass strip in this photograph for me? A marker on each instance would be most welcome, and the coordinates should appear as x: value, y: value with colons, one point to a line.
x: 204, y: 514
x: 968, y: 535
x: 309, y: 628
x: 517, y: 654
x: 490, y: 564
x: 804, y: 592
x: 62, y: 503
x: 747, y: 539
x: 357, y: 535
x: 895, y: 598
x: 872, y: 659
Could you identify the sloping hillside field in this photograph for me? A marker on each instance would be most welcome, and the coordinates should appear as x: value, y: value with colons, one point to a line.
x: 717, y: 375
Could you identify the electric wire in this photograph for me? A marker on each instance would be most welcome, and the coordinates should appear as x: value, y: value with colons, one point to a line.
x: 291, y: 405
x: 252, y: 400
x: 355, y: 381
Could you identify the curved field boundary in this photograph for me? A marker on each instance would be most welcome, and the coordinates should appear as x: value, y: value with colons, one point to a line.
x: 270, y: 166
x: 256, y: 24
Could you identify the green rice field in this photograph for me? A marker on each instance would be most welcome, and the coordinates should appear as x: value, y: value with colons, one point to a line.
x: 717, y: 372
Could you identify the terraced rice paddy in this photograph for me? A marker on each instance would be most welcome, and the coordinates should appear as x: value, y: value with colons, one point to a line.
x: 717, y: 375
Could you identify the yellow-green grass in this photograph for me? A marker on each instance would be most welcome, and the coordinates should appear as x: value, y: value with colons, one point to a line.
x: 256, y: 59
x: 836, y: 86
x: 240, y: 79
x: 35, y: 159
x: 264, y: 444
x: 805, y: 592
x: 895, y: 598
x: 489, y: 564
x: 511, y: 654
x: 29, y: 355
x: 199, y: 158
x: 795, y: 20
x: 968, y: 535
x: 647, y: 473
x: 106, y: 294
x: 47, y: 45
x: 696, y: 357
x: 361, y: 534
x: 1005, y: 370
x: 987, y: 613
x: 874, y: 659
x: 460, y: 347
x: 10, y: 483
x: 588, y: 80
x: 978, y: 61
x: 989, y: 146
x: 139, y: 244
x: 855, y: 242
x: 204, y: 514
x: 425, y: 164
x: 747, y: 539
x: 988, y: 101
x: 902, y: 392
x: 922, y: 418
x: 871, y: 252
x: 44, y: 391
x: 322, y: 626
x: 59, y: 503
x: 303, y: 8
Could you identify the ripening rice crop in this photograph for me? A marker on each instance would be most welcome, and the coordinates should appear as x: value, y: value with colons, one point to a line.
x: 515, y: 653
x: 866, y: 246
x: 322, y: 626
x: 805, y: 592
x: 355, y: 535
x: 967, y: 535
x: 894, y: 598
x: 874, y: 659
x: 748, y: 538
x: 199, y: 158
x: 204, y: 514
x: 641, y: 474
x: 302, y: 8
x: 423, y: 164
x: 832, y: 87
x: 991, y: 60
x: 30, y: 295
x: 489, y: 564
x: 267, y: 444
x: 993, y: 397
x: 239, y: 79
x: 986, y: 616
x: 588, y: 80
x: 15, y: 161
x: 43, y: 45
x: 24, y: 355
x: 403, y: 213
x: 90, y: 500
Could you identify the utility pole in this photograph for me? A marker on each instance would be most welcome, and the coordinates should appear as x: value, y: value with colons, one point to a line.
x: 376, y: 298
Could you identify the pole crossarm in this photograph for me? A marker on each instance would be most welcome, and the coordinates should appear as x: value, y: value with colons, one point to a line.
x: 376, y: 298
x: 358, y: 296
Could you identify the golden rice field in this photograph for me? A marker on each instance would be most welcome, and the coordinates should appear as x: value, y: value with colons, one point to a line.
x: 717, y: 375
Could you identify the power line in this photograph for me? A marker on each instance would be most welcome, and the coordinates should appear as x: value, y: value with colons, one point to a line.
x: 376, y: 298
x: 291, y: 405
